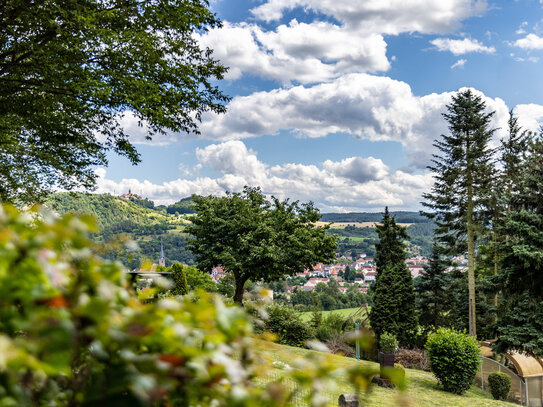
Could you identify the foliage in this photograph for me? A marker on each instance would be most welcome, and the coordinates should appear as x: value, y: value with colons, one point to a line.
x: 412, y: 359
x: 288, y: 326
x: 388, y: 343
x: 520, y: 323
x: 72, y: 70
x: 454, y: 358
x: 180, y: 286
x: 253, y: 238
x: 181, y: 207
x: 359, y: 217
x: 433, y: 296
x: 393, y: 309
x: 499, y: 384
x: 198, y: 279
x: 390, y: 250
x: 461, y: 195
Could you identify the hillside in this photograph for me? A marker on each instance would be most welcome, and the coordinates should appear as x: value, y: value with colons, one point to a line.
x: 422, y: 387
x: 136, y: 218
x: 149, y: 225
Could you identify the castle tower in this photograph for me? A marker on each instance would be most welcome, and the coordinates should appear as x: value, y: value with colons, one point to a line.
x: 162, y: 259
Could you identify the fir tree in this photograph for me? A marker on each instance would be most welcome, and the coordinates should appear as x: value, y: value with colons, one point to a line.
x: 520, y: 322
x: 179, y: 280
x: 464, y: 170
x: 391, y: 249
x: 433, y: 297
x: 393, y: 308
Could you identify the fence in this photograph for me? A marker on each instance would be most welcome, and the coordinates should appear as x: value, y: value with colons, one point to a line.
x: 517, y: 393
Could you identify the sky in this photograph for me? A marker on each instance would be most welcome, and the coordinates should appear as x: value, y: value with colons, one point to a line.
x: 339, y: 101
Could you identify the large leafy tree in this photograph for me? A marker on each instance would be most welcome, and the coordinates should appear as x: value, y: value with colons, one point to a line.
x: 71, y: 70
x: 254, y: 238
x: 464, y: 173
x: 520, y: 321
x: 393, y: 308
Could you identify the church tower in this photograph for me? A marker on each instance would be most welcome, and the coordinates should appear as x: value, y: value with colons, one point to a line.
x: 162, y: 259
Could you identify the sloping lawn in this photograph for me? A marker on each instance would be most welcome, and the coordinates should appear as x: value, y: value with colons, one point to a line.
x: 306, y: 316
x: 422, y: 388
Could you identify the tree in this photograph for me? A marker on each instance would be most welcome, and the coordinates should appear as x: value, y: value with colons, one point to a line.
x: 393, y: 308
x: 433, y: 296
x: 253, y: 238
x: 462, y: 189
x: 71, y: 71
x: 520, y: 317
x: 390, y: 250
x: 179, y: 280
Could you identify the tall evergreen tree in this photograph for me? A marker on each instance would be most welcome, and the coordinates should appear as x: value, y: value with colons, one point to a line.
x: 393, y: 308
x: 179, y: 279
x: 520, y: 322
x: 390, y: 250
x: 433, y: 297
x: 461, y: 193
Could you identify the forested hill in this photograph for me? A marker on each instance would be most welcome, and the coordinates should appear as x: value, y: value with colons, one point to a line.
x: 401, y: 217
x: 149, y: 225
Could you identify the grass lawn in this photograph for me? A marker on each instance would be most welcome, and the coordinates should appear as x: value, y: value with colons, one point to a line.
x: 306, y: 316
x: 422, y: 388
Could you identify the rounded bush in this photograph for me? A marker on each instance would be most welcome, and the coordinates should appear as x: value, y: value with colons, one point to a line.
x: 288, y: 326
x: 454, y: 359
x: 500, y: 384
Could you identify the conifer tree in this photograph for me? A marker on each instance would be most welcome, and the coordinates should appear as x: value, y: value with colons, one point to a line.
x: 464, y: 173
x: 433, y: 297
x: 390, y: 250
x: 520, y: 322
x: 393, y: 308
x: 179, y: 280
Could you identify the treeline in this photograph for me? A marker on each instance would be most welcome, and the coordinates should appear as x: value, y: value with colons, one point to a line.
x: 401, y: 217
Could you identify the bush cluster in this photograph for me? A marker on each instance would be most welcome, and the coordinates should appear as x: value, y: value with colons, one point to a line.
x: 288, y: 326
x: 454, y: 359
x: 500, y: 385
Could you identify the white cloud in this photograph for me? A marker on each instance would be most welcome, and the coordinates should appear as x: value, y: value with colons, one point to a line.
x: 530, y: 116
x: 378, y: 16
x: 354, y: 183
x: 306, y: 53
x: 459, y: 47
x: 459, y: 64
x: 370, y: 107
x: 522, y: 27
x: 531, y: 41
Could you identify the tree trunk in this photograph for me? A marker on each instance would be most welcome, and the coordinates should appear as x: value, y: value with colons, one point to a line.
x: 240, y: 285
x: 471, y: 259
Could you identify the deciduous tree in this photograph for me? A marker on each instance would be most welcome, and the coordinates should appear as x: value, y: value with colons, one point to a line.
x: 70, y: 71
x: 254, y: 238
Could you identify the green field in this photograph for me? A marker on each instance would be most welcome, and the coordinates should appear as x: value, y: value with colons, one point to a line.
x: 306, y: 316
x: 422, y: 387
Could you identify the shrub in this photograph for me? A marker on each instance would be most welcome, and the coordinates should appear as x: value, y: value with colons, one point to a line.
x: 500, y: 384
x: 284, y: 322
x: 388, y: 343
x: 412, y: 359
x: 454, y: 358
x: 179, y: 279
x: 329, y: 326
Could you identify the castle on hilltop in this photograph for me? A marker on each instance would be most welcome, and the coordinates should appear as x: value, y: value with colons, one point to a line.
x: 130, y: 195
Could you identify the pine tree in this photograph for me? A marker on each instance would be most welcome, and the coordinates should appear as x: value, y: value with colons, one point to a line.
x: 464, y: 170
x: 391, y: 249
x: 393, y: 308
x: 520, y: 322
x: 179, y: 280
x: 433, y: 296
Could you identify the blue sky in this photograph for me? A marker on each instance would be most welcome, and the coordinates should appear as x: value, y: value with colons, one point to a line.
x: 338, y: 101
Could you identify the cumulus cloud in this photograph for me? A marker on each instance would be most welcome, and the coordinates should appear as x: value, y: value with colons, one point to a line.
x: 459, y: 64
x: 306, y: 53
x: 386, y: 17
x: 459, y: 47
x: 370, y: 107
x: 354, y: 183
x: 531, y: 41
x: 530, y: 116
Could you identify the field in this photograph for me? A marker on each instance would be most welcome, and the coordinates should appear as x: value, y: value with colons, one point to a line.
x: 306, y: 316
x: 422, y: 387
x: 340, y: 225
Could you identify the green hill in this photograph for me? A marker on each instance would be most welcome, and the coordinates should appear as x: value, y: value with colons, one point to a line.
x: 136, y: 218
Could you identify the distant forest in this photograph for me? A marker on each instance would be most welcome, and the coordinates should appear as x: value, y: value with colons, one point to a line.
x: 401, y: 217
